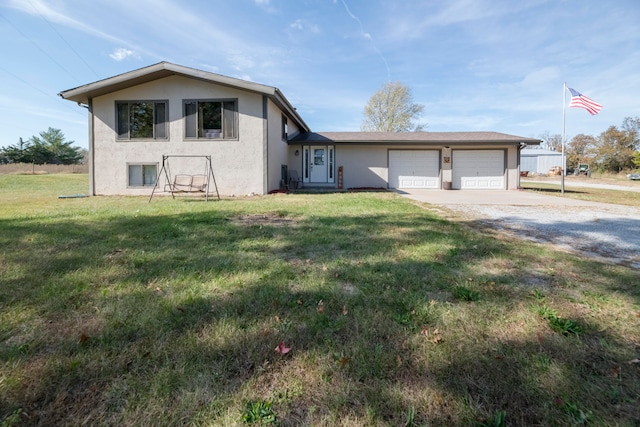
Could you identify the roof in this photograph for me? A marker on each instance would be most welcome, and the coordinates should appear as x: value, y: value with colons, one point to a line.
x: 412, y: 138
x: 82, y: 94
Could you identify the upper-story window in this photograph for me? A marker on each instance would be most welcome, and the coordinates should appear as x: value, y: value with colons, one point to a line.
x: 211, y: 119
x: 285, y: 128
x: 141, y: 119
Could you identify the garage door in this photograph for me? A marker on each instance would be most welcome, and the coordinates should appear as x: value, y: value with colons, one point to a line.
x: 478, y: 169
x: 414, y: 169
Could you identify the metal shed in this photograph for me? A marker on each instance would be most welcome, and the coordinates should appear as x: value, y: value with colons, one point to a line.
x: 539, y: 160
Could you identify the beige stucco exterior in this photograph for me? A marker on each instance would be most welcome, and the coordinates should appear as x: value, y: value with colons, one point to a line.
x: 255, y: 160
x: 239, y: 165
x: 368, y: 165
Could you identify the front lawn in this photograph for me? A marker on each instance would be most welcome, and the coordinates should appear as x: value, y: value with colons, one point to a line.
x: 351, y: 309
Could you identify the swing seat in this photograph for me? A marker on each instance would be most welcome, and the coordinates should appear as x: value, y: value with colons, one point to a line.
x: 183, y: 183
x: 188, y: 184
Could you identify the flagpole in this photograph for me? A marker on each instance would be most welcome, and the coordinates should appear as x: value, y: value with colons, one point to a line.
x: 564, y: 162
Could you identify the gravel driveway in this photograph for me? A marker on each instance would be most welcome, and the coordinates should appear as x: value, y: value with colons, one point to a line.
x: 598, y: 230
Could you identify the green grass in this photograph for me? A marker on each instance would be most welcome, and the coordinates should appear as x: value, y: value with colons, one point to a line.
x: 619, y: 197
x: 114, y: 311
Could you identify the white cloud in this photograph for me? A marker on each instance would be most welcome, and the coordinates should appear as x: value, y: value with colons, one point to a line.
x: 121, y: 54
x: 266, y: 5
x: 303, y: 25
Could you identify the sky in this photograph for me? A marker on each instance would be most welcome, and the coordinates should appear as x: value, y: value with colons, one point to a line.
x: 475, y: 65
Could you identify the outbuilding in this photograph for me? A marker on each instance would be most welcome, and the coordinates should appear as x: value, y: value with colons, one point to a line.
x: 538, y: 160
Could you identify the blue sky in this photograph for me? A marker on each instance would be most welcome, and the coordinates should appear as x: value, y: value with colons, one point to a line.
x: 494, y: 65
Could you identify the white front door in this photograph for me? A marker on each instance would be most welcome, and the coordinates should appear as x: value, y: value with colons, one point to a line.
x: 318, y: 164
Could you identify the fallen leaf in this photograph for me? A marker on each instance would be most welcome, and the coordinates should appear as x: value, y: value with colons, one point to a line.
x: 614, y: 372
x: 320, y: 307
x: 282, y: 348
x: 634, y: 361
x: 344, y: 310
x: 300, y: 301
x: 399, y: 360
x: 432, y: 302
x: 344, y: 360
x: 436, y: 337
x: 84, y: 338
x: 425, y: 331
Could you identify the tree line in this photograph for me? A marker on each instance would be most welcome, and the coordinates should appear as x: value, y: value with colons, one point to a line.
x: 615, y: 150
x: 51, y: 147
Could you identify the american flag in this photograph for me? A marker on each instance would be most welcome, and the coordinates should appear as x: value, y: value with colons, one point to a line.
x: 578, y: 100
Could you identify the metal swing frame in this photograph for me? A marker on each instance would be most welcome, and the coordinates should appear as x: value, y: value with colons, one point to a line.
x: 167, y: 174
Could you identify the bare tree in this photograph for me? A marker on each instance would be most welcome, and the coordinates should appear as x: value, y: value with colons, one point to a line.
x: 391, y: 109
x: 550, y: 141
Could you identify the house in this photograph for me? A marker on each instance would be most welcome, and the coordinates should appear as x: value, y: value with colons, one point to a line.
x: 255, y: 137
x: 539, y: 161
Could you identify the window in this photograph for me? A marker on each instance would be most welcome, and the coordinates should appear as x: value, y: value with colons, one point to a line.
x: 285, y: 127
x: 141, y: 119
x: 142, y: 175
x: 211, y: 119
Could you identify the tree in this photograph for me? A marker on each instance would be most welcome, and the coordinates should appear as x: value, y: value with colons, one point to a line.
x: 636, y: 159
x: 551, y: 142
x: 580, y: 149
x: 616, y: 147
x: 50, y: 147
x: 391, y: 109
x: 18, y: 153
x: 55, y: 149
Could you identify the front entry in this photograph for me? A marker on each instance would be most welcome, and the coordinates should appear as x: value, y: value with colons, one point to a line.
x: 318, y: 164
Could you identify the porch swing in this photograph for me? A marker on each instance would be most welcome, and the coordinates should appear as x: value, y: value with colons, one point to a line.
x: 184, y: 183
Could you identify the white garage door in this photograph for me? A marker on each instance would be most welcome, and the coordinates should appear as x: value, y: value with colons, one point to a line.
x: 478, y: 169
x: 414, y: 169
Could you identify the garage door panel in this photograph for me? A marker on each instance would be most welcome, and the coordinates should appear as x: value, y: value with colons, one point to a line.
x: 478, y: 169
x: 414, y: 169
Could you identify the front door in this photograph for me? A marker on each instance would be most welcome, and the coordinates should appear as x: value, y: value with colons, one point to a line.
x: 318, y: 164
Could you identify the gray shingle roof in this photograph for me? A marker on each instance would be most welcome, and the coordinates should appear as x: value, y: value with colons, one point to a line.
x: 428, y: 138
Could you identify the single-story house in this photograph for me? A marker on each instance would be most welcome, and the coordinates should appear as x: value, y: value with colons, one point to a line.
x: 255, y: 140
x: 539, y: 161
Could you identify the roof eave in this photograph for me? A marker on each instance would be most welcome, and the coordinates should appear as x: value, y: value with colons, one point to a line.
x: 82, y: 94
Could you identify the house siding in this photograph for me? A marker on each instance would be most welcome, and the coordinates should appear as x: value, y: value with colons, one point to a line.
x: 238, y: 165
x: 278, y: 149
x: 368, y: 165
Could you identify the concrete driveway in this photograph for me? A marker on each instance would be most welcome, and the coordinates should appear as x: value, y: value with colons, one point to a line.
x: 610, y: 233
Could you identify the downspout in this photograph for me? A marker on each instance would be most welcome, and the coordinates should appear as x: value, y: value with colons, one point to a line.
x: 89, y: 108
x: 92, y: 160
x: 520, y: 147
x: 265, y: 145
